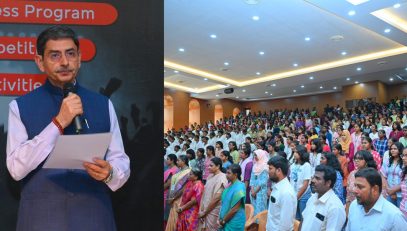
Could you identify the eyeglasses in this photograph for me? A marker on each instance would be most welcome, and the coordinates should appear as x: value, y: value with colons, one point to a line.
x: 56, y: 56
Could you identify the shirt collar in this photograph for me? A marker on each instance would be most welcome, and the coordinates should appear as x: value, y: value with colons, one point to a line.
x: 326, y: 196
x: 281, y: 183
x: 56, y: 90
x: 378, y: 206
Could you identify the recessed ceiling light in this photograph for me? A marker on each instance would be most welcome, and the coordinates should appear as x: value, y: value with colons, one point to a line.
x: 294, y: 91
x: 164, y: 71
x: 237, y: 97
x: 321, y: 87
x: 362, y: 84
x: 206, y: 79
x: 356, y: 82
x: 347, y: 79
x: 244, y: 90
x: 261, y: 53
x: 176, y: 71
x: 271, y: 93
x: 387, y: 30
x: 266, y: 92
x: 311, y: 77
x: 405, y: 69
x: 357, y: 2
x: 359, y: 69
x: 273, y: 85
x: 181, y: 49
x: 227, y: 85
x: 302, y: 86
x: 334, y: 88
x: 217, y: 95
x: 344, y: 53
x: 351, y: 13
x: 213, y: 36
x: 226, y: 63
x: 258, y: 73
x: 397, y: 5
x: 295, y: 65
x: 256, y: 18
x: 307, y: 38
x: 391, y: 79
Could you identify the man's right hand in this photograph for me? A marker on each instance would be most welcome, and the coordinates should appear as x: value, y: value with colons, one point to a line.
x: 71, y: 107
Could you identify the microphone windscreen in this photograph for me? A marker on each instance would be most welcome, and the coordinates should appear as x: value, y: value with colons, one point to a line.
x: 68, y: 88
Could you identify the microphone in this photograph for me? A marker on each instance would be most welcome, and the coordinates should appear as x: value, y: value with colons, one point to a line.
x: 69, y: 88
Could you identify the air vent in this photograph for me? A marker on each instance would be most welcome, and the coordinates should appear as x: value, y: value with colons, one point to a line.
x: 224, y: 69
x: 336, y: 38
x: 180, y: 81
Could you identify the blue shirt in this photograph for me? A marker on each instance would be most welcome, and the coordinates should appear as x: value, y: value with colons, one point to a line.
x: 381, y: 146
x: 382, y: 216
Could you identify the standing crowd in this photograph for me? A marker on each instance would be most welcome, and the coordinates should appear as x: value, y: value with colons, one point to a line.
x: 343, y: 170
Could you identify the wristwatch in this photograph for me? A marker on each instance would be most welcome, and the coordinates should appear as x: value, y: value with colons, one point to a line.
x: 109, y: 177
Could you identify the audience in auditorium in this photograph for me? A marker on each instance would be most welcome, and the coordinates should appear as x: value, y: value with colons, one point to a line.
x: 284, y: 157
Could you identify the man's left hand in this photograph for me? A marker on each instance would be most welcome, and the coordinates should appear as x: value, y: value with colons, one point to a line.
x: 98, y: 170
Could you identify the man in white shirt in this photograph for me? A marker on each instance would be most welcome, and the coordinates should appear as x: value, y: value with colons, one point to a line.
x: 283, y: 200
x: 324, y: 210
x: 370, y: 210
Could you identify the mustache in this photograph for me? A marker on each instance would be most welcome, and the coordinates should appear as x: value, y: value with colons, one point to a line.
x: 64, y: 70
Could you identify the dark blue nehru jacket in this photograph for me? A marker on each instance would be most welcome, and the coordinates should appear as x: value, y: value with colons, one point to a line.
x: 63, y: 199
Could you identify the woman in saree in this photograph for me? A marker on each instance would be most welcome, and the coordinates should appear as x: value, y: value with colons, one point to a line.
x: 210, y: 202
x: 172, y: 170
x: 232, y: 215
x: 178, y: 182
x: 189, y: 206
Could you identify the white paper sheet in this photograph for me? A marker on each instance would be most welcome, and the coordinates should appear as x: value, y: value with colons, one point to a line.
x: 72, y: 150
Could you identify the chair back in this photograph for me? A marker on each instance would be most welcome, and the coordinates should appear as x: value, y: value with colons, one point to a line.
x: 258, y: 222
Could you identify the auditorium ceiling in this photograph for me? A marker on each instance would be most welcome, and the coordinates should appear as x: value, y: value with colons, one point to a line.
x: 267, y: 49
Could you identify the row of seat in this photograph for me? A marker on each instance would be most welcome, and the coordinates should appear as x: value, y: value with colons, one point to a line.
x: 259, y: 221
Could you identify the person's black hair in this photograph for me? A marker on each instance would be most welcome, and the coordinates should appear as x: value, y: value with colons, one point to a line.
x: 55, y: 33
x: 282, y: 153
x: 197, y: 172
x: 367, y: 157
x: 228, y: 156
x: 234, y: 145
x: 217, y: 162
x: 398, y: 126
x: 318, y: 146
x: 249, y: 138
x: 247, y: 149
x: 279, y: 162
x: 329, y: 173
x: 166, y: 142
x: 211, y: 148
x: 339, y: 148
x: 371, y: 175
x: 405, y: 167
x: 191, y: 152
x: 235, y: 169
x: 173, y: 158
x: 332, y: 160
x: 184, y: 159
x: 369, y: 140
x: 302, y: 152
x: 201, y: 150
x: 220, y: 144
x: 400, y: 147
x: 177, y: 146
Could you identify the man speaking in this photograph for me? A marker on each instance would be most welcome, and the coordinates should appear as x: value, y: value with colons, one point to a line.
x: 63, y: 199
